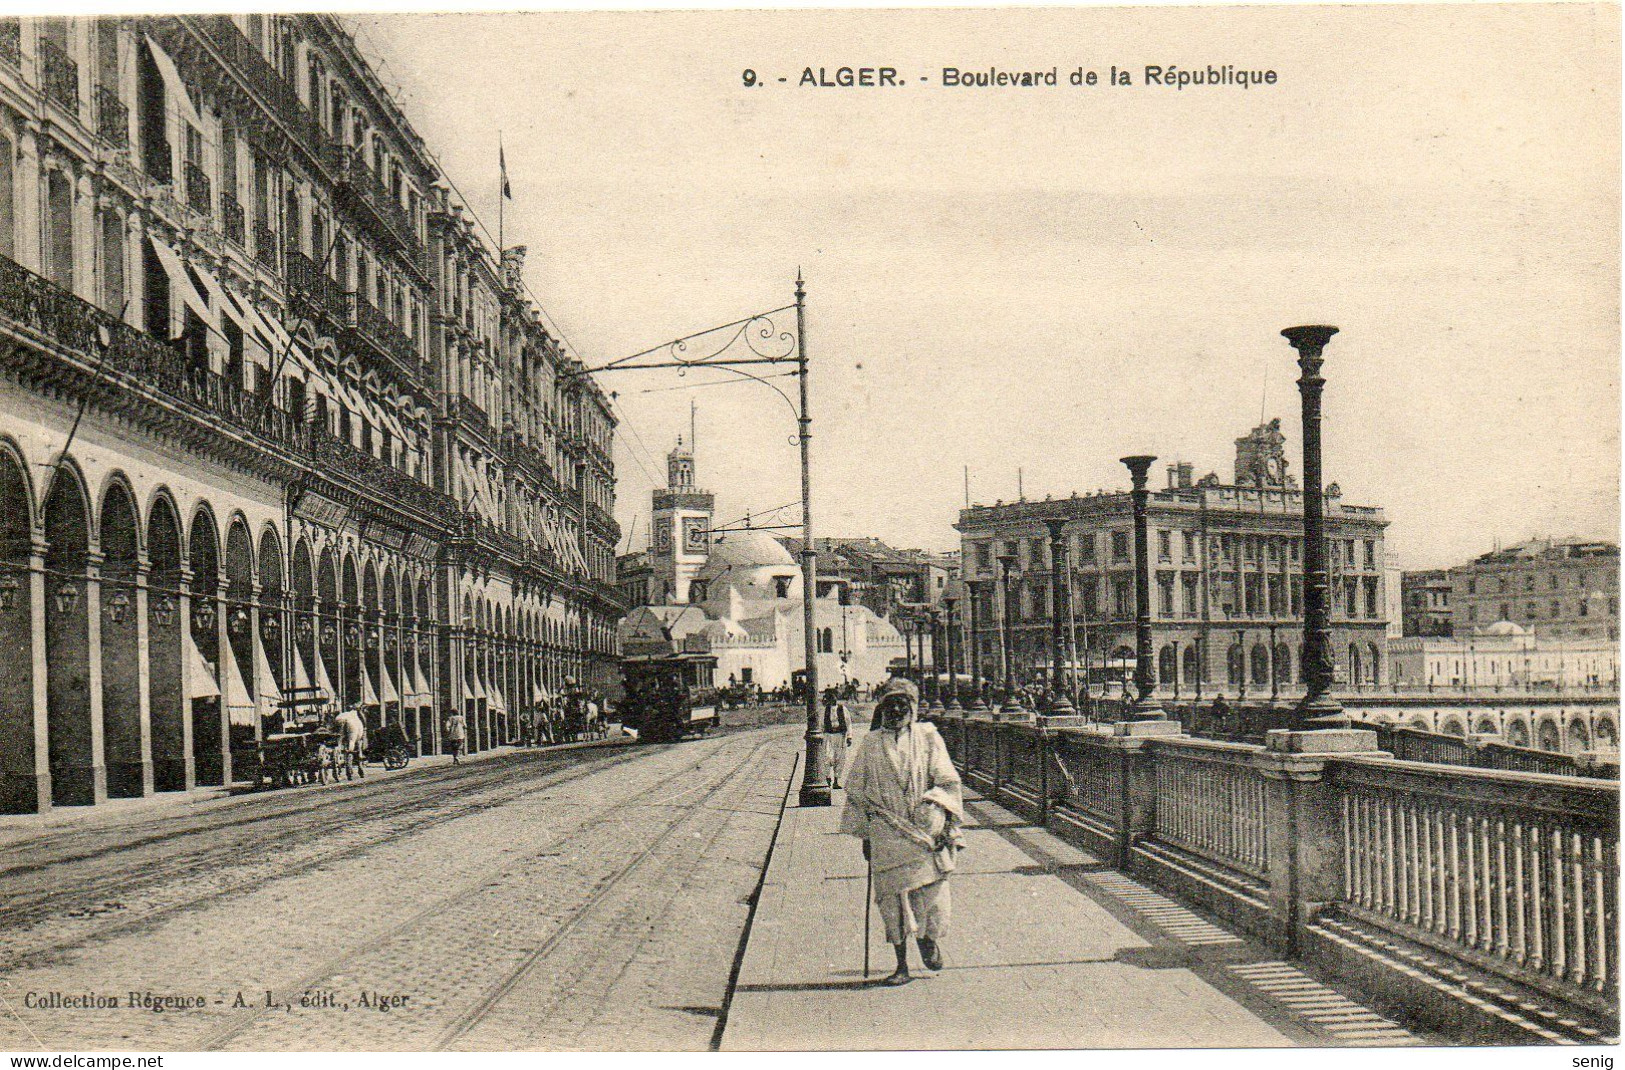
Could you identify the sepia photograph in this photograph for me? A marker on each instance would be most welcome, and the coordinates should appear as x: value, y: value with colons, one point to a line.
x: 810, y: 530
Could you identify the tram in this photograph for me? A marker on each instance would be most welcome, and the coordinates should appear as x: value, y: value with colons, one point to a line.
x: 669, y: 695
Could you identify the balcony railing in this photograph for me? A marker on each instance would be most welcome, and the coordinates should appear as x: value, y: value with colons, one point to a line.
x: 322, y: 292
x: 93, y: 339
x: 265, y: 244
x: 112, y: 117
x: 378, y: 329
x: 232, y: 218
x: 1510, y: 877
x: 243, y: 58
x: 59, y: 75
x: 364, y: 186
x: 467, y: 412
x: 199, y: 191
x: 11, y: 43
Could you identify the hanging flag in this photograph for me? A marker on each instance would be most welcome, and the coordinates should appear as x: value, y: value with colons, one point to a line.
x: 502, y: 162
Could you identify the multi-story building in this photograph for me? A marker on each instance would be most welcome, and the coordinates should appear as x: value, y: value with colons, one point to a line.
x: 1226, y: 578
x: 886, y: 579
x: 270, y: 421
x: 1566, y: 588
x: 1425, y: 603
x: 1505, y: 657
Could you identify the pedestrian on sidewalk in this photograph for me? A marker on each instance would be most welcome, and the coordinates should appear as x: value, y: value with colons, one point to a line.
x: 456, y: 733
x: 837, y: 735
x: 903, y: 800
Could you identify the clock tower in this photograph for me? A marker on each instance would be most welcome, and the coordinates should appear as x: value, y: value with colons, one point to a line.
x: 680, y: 529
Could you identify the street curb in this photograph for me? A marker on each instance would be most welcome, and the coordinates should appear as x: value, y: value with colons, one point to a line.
x: 770, y: 864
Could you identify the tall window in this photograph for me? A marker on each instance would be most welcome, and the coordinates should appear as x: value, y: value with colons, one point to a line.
x: 59, y: 229
x: 112, y: 251
x: 8, y: 202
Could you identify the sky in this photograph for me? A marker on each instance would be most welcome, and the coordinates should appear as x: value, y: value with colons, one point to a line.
x: 1045, y: 280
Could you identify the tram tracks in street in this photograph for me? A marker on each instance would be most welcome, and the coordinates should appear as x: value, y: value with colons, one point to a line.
x: 455, y: 903
x: 494, y: 788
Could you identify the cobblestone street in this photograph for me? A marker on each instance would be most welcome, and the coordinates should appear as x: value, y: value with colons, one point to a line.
x: 589, y: 899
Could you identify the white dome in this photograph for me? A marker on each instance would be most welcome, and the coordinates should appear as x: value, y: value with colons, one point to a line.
x: 1504, y: 627
x: 747, y: 549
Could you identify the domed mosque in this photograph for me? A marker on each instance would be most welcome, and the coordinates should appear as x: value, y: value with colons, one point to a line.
x: 748, y: 592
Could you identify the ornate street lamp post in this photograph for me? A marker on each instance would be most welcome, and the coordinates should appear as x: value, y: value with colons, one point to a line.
x: 1145, y: 707
x: 950, y: 599
x: 1241, y: 664
x: 1317, y: 708
x: 1012, y: 704
x: 1275, y: 668
x: 934, y: 623
x: 1059, y: 591
x: 977, y: 701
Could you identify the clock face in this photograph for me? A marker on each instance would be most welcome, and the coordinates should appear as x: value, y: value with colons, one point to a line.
x: 695, y: 534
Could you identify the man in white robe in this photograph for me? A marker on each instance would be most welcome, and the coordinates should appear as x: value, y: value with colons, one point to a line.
x: 903, y: 800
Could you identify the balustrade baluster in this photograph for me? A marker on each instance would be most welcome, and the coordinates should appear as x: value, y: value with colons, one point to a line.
x: 1596, y: 957
x: 1534, y: 836
x: 1410, y: 863
x: 1454, y: 860
x: 1486, y: 882
x: 1470, y: 873
x: 1556, y: 949
x: 1520, y: 943
x: 1577, y: 904
x: 1503, y: 924
x: 1386, y: 847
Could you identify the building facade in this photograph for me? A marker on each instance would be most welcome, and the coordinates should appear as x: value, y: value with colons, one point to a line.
x: 1226, y: 580
x: 1425, y: 603
x: 1505, y: 657
x: 1554, y: 587
x: 270, y: 420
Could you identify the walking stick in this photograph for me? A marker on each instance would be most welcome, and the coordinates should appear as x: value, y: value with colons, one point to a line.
x: 868, y: 911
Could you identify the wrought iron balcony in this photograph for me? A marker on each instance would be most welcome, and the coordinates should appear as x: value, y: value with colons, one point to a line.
x: 71, y: 327
x: 467, y: 412
x: 11, y: 42
x: 380, y: 331
x: 246, y: 61
x: 112, y: 117
x: 337, y: 457
x: 232, y: 216
x: 322, y: 292
x: 265, y: 244
x: 59, y: 75
x: 199, y: 191
x: 364, y: 188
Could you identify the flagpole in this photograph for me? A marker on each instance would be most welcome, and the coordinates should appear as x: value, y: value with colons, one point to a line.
x: 502, y: 193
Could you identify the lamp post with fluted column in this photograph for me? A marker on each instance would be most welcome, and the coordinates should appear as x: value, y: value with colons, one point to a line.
x: 933, y: 623
x: 1060, y: 704
x: 977, y: 701
x: 1145, y: 707
x: 1317, y: 709
x: 950, y: 599
x: 1011, y: 704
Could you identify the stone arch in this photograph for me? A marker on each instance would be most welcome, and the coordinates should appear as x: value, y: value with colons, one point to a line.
x: 169, y: 706
x: 1190, y: 664
x: 1607, y: 734
x: 1166, y: 664
x: 238, y: 661
x: 1356, y: 675
x: 24, y: 780
x: 1421, y: 723
x: 1487, y: 726
x: 1373, y: 665
x: 329, y: 625
x: 209, y: 736
x: 349, y: 682
x: 129, y: 774
x: 1283, y: 663
x: 1547, y: 735
x: 1235, y: 668
x: 1260, y: 658
x: 1453, y: 726
x: 392, y: 689
x: 300, y: 626
x: 274, y: 602
x: 1518, y: 732
x: 1579, y: 736
x: 78, y: 775
x: 372, y: 682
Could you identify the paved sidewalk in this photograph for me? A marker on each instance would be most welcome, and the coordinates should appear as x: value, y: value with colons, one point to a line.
x: 1049, y: 948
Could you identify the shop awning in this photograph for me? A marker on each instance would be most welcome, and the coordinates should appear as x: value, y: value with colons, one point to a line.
x: 424, y: 696
x: 369, y: 697
x: 498, y: 701
x: 301, y: 675
x: 175, y: 268
x: 265, y: 689
x: 539, y: 695
x: 203, y: 683
x: 322, y: 680
x: 174, y: 85
x: 239, y: 706
x: 390, y: 694
x: 475, y: 691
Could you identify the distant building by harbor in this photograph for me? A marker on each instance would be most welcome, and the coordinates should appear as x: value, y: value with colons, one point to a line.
x: 1566, y: 588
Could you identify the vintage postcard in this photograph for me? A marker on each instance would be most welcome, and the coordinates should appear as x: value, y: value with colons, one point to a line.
x: 809, y: 530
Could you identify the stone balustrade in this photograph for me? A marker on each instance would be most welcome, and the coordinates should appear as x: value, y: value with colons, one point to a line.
x: 1347, y: 857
